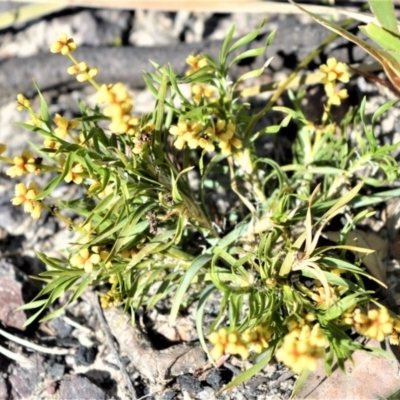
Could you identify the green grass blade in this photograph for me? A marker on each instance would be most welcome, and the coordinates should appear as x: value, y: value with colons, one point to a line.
x: 384, y: 12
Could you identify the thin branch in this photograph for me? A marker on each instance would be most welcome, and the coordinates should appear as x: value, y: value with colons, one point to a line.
x: 110, y: 340
x: 33, y: 346
x: 19, y: 358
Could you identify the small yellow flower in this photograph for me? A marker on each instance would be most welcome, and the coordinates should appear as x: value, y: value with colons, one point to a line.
x: 335, y: 97
x: 22, y: 102
x: 34, y: 121
x: 104, y: 253
x: 200, y: 91
x: 51, y: 144
x: 394, y: 337
x: 25, y: 195
x: 119, y: 107
x: 82, y: 71
x: 143, y: 138
x: 225, y: 342
x: 225, y: 133
x: 321, y: 296
x: 64, y: 126
x: 116, y: 94
x: 334, y: 71
x: 271, y: 282
x: 85, y: 259
x: 258, y: 338
x: 301, y: 350
x: 64, y: 45
x: 23, y: 164
x: 185, y: 132
x: 204, y: 141
x: 75, y: 174
x: 111, y: 298
x: 127, y: 124
x: 380, y: 324
x: 196, y: 62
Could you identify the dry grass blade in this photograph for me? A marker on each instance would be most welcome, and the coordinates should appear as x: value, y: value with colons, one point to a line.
x: 244, y: 6
x: 28, y: 13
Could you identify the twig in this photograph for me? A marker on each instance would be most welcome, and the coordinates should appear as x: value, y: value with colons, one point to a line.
x: 148, y: 395
x: 33, y: 346
x: 19, y: 358
x: 232, y: 368
x: 75, y: 324
x: 111, y: 343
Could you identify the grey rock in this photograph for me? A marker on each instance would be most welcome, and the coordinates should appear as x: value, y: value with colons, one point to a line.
x: 3, y: 388
x: 24, y: 382
x: 80, y: 387
x: 10, y: 300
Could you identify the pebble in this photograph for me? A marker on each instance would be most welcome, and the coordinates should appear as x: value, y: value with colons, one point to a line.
x: 80, y: 387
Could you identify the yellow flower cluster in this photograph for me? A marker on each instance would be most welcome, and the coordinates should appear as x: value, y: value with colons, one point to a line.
x: 82, y: 71
x: 93, y: 188
x: 194, y: 135
x: 258, y: 339
x: 119, y: 107
x: 143, y: 138
x: 23, y: 164
x: 75, y: 174
x: 63, y: 126
x: 118, y: 100
x: 334, y: 71
x: 200, y: 91
x: 301, y: 348
x: 195, y: 62
x: 225, y: 133
x: 377, y: 324
x: 226, y: 342
x: 63, y: 45
x: 85, y: 259
x: 22, y: 102
x: 322, y: 296
x: 25, y: 196
x: 111, y: 299
x: 395, y: 335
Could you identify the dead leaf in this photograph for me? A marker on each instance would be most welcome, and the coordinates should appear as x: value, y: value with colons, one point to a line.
x: 365, y: 378
x: 368, y: 240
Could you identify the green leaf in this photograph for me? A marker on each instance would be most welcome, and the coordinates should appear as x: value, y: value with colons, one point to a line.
x: 384, y: 12
x: 249, y: 38
x: 156, y: 245
x: 246, y: 375
x: 192, y: 271
x: 387, y: 40
x: 56, y: 181
x: 248, y: 54
x: 44, y: 109
x: 175, y: 192
x: 300, y: 383
x: 382, y: 109
x: 159, y: 117
x: 223, y: 54
x: 255, y: 73
x: 207, y: 292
